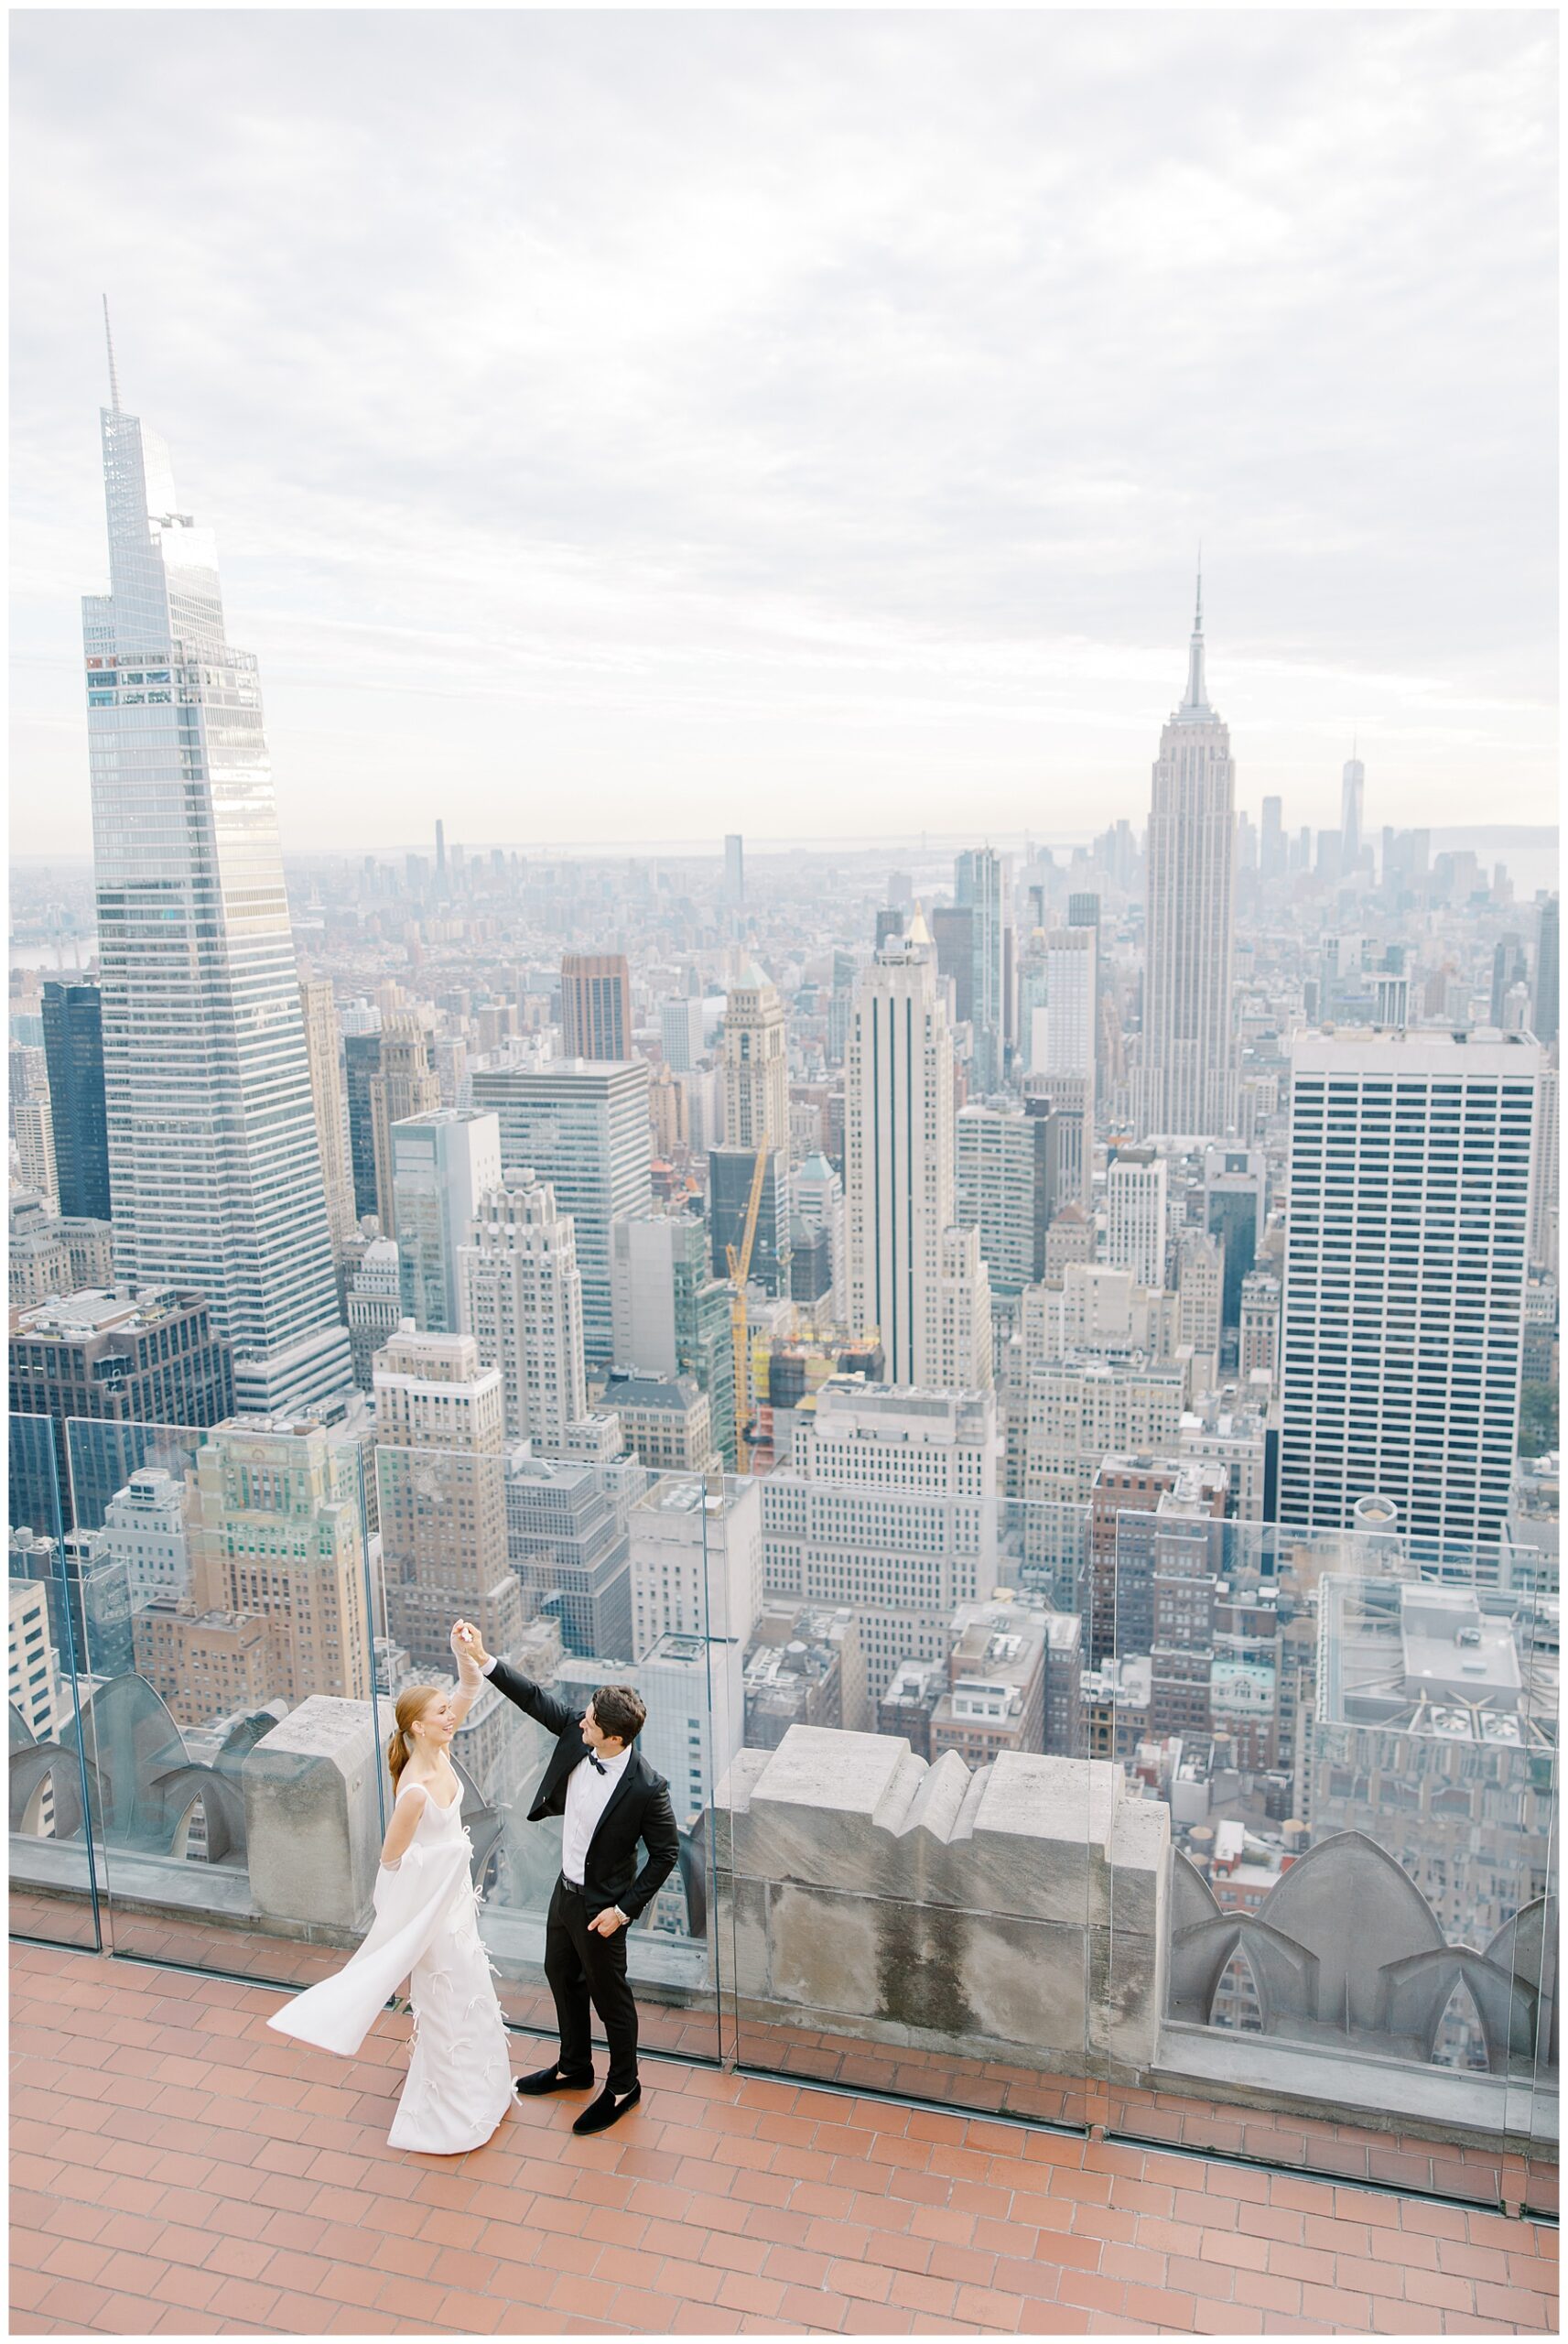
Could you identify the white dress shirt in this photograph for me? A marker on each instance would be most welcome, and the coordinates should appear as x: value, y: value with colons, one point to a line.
x: 589, y: 1793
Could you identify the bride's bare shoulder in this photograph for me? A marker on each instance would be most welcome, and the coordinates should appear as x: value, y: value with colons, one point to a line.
x: 412, y: 1790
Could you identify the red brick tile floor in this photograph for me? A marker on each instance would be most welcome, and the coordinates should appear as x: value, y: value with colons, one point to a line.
x: 178, y: 2169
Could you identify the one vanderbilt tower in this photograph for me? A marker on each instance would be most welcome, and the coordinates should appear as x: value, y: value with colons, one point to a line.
x: 214, y: 1173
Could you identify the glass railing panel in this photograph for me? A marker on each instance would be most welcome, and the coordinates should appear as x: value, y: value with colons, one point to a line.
x: 547, y: 1556
x: 221, y: 1578
x: 907, y: 1879
x: 53, y: 1877
x: 1348, y: 1735
x: 1528, y: 1950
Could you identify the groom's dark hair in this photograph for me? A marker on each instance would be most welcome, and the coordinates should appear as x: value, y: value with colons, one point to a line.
x: 620, y: 1711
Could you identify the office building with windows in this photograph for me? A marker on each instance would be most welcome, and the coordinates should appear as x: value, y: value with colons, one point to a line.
x: 596, y: 1006
x: 583, y: 1126
x: 73, y: 1047
x: 889, y: 1510
x: 521, y: 1299
x: 443, y: 1163
x: 899, y: 1180
x: 1406, y: 1256
x: 214, y: 1165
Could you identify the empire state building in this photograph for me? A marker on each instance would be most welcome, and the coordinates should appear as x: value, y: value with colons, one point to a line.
x: 1186, y: 1079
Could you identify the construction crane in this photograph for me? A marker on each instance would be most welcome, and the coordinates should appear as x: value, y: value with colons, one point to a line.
x: 740, y: 1260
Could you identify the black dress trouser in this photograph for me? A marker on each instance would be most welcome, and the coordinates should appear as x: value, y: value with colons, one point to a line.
x: 583, y: 1968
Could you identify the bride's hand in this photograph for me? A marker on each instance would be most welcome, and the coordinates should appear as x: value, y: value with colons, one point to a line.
x: 467, y: 1649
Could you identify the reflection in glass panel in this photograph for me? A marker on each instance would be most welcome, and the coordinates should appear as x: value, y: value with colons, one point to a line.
x: 53, y: 1878
x: 221, y: 1581
x: 545, y: 1553
x: 1353, y: 1737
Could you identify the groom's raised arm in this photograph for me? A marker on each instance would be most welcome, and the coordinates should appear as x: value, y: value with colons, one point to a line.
x: 554, y: 1714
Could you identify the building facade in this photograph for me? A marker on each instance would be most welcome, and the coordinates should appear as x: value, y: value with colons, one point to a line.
x: 73, y: 1046
x: 1406, y: 1256
x: 899, y: 1180
x: 583, y: 1126
x: 214, y: 1167
x: 596, y: 1006
x: 443, y: 1164
x: 521, y: 1299
x: 1187, y: 1072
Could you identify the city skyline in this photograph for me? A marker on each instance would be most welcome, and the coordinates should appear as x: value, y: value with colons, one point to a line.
x: 862, y: 481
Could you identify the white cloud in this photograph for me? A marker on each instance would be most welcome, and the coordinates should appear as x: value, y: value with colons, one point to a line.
x: 710, y: 413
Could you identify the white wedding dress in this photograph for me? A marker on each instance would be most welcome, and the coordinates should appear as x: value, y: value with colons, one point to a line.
x: 458, y: 2084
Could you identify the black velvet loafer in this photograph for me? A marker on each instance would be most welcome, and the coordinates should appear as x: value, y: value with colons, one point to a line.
x: 607, y: 2110
x: 543, y: 2080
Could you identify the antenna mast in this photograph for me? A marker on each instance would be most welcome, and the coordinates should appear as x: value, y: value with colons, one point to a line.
x: 114, y: 379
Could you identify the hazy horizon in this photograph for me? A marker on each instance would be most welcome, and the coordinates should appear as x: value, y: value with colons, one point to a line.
x: 805, y: 423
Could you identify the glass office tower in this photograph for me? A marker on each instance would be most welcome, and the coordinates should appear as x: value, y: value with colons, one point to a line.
x: 214, y: 1162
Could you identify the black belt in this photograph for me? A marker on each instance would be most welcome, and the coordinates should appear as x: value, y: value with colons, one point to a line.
x: 572, y: 1887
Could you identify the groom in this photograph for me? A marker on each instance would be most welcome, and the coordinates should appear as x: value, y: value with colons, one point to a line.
x: 609, y: 1797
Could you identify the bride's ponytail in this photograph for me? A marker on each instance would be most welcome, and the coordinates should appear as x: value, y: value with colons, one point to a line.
x: 412, y: 1702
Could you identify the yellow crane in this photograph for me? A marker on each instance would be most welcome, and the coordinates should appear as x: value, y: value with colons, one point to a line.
x: 740, y: 1260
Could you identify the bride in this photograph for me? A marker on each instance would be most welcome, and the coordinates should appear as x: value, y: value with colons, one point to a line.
x: 458, y: 2084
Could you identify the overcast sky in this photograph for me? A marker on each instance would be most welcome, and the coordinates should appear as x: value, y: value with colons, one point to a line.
x: 636, y: 427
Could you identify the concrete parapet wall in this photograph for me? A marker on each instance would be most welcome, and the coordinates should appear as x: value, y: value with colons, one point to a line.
x: 312, y: 1821
x: 865, y: 1892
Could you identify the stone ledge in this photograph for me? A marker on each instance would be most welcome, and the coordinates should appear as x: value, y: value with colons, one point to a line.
x: 1299, y: 2079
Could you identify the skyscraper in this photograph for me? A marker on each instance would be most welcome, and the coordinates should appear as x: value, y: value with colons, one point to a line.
x: 1543, y: 1003
x: 362, y: 1063
x: 329, y: 1100
x: 522, y: 1302
x: 583, y: 1125
x: 402, y: 1086
x: 1186, y: 1081
x: 1006, y: 1174
x: 756, y: 1115
x: 734, y: 868
x: 756, y: 1063
x: 276, y: 1527
x: 1135, y: 1226
x: 1409, y: 1171
x: 596, y: 1006
x: 1352, y: 814
x: 213, y: 1160
x: 442, y: 1164
x: 898, y: 1157
x: 441, y: 1496
x: 979, y: 885
x: 1067, y: 1030
x: 1507, y: 970
x: 1272, y: 851
x: 672, y: 1313
x: 73, y: 1046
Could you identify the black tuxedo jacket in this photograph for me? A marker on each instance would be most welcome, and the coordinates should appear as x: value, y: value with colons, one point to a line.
x: 639, y: 1805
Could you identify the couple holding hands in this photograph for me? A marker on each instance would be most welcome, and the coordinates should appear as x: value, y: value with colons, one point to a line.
x: 460, y: 2083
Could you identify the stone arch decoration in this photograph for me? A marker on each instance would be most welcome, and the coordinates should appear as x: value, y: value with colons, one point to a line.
x: 185, y: 1788
x: 142, y: 1785
x: 1383, y: 1981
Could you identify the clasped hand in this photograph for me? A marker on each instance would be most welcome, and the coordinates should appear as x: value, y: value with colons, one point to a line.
x: 467, y: 1645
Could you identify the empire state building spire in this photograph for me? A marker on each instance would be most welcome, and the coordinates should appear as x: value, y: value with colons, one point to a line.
x: 1195, y: 708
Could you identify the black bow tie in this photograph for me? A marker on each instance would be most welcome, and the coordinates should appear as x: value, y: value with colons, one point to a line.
x: 597, y: 1764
